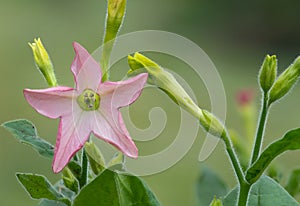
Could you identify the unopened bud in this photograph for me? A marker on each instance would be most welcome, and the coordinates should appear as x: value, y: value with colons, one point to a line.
x: 116, y: 9
x: 70, y: 180
x: 285, y: 81
x: 163, y: 80
x: 216, y: 202
x: 212, y: 124
x: 114, y: 18
x: 95, y: 157
x: 268, y: 73
x: 43, y: 62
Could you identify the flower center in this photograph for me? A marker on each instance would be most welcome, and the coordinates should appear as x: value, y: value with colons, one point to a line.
x: 88, y: 100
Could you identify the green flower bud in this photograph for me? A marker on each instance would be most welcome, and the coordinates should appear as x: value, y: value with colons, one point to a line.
x: 43, y: 62
x: 95, y: 157
x: 166, y: 82
x: 268, y: 72
x: 69, y: 180
x: 211, y: 124
x: 116, y: 9
x: 216, y: 202
x: 115, y: 15
x: 285, y: 81
x: 163, y: 80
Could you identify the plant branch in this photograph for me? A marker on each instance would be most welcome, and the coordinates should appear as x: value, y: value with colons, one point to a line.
x: 260, y: 130
x: 233, y: 158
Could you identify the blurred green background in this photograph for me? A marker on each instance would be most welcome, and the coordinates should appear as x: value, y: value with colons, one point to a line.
x: 235, y: 34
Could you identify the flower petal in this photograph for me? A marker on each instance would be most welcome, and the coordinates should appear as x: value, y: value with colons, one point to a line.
x: 111, y: 131
x: 52, y: 102
x: 81, y: 55
x: 74, y: 130
x: 86, y: 70
x: 123, y: 93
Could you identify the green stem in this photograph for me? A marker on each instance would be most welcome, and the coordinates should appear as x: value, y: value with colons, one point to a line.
x: 84, y: 169
x: 233, y: 157
x: 244, y: 185
x: 243, y: 195
x: 260, y: 130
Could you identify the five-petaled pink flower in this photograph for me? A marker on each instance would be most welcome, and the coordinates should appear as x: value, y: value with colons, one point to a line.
x: 92, y: 107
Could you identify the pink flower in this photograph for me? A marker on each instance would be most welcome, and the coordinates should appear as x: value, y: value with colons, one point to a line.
x: 92, y: 107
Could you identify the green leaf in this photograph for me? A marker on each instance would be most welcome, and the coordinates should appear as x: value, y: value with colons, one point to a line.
x: 264, y: 192
x: 26, y: 133
x: 116, y: 189
x: 209, y: 185
x: 39, y: 187
x: 95, y: 157
x: 290, y: 141
x: 293, y: 185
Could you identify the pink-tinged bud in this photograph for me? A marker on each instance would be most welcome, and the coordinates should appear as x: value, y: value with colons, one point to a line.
x: 245, y: 97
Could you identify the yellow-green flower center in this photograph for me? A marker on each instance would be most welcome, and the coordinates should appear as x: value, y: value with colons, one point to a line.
x: 88, y: 100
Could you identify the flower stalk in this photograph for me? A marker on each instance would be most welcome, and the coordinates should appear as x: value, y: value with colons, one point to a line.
x: 260, y: 129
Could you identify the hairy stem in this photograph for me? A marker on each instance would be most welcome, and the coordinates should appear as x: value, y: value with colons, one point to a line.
x: 244, y: 186
x: 84, y: 169
x: 233, y: 158
x: 260, y: 130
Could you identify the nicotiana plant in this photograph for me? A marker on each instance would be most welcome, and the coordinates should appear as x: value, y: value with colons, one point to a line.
x: 92, y: 109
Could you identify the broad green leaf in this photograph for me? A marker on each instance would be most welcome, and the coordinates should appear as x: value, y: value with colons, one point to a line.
x: 293, y: 185
x: 209, y: 185
x: 26, y: 133
x: 95, y: 157
x: 290, y: 141
x: 116, y: 189
x: 39, y: 187
x: 265, y: 192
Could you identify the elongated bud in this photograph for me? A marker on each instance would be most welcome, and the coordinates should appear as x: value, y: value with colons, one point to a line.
x: 268, y: 73
x: 43, y: 62
x: 116, y: 9
x: 115, y: 15
x: 163, y: 80
x: 285, y: 81
x: 70, y: 180
x: 114, y: 18
x: 212, y: 124
x: 166, y: 82
x: 95, y: 157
